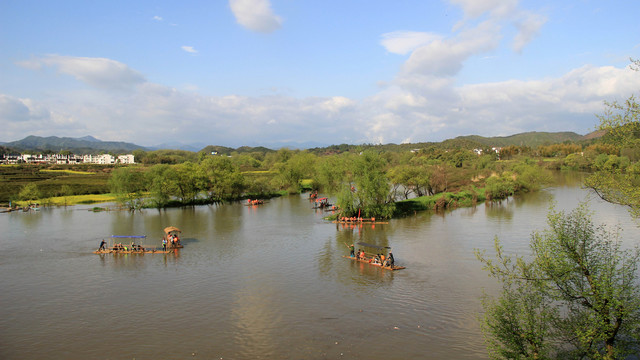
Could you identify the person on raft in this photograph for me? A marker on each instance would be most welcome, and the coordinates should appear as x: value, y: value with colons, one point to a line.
x: 102, y: 245
x: 390, y: 260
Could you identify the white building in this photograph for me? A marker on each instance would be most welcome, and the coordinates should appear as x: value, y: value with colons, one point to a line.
x: 100, y: 159
x: 126, y: 159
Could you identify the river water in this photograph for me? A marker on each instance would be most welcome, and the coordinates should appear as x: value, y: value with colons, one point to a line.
x: 266, y: 282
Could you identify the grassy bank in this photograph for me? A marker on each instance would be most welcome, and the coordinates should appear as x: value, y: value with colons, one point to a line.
x: 448, y: 200
x: 71, y: 200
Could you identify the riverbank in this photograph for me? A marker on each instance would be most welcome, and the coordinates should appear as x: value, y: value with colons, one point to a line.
x: 107, y: 198
x: 442, y: 201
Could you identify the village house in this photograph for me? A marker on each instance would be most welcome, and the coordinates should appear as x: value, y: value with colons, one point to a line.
x: 66, y: 159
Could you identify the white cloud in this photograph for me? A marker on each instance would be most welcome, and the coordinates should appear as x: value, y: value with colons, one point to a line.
x: 528, y: 26
x: 444, y: 57
x: 497, y: 8
x: 403, y: 42
x: 189, y: 49
x: 98, y: 72
x: 19, y: 110
x: 255, y: 15
x: 157, y: 18
x: 422, y: 104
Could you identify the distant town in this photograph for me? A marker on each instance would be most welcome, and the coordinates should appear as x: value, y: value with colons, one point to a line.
x: 66, y: 159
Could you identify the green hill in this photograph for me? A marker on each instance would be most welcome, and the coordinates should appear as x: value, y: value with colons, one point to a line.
x: 84, y: 145
x: 531, y: 139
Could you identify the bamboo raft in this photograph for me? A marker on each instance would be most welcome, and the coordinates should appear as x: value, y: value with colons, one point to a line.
x: 359, y: 221
x: 118, y: 251
x: 135, y: 249
x: 370, y: 262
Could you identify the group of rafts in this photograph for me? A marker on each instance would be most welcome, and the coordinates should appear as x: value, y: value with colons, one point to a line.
x: 126, y: 244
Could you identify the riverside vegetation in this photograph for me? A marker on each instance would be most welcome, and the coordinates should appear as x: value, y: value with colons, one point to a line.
x: 379, y: 181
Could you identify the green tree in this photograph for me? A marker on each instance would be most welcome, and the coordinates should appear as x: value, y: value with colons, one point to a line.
x: 65, y: 192
x: 221, y: 179
x: 621, y: 123
x: 331, y: 172
x: 160, y: 184
x: 577, y: 297
x: 188, y: 181
x: 128, y: 184
x: 30, y: 192
x: 296, y: 167
x: 371, y: 196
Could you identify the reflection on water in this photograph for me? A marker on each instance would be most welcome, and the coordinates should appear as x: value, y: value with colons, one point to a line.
x: 266, y: 281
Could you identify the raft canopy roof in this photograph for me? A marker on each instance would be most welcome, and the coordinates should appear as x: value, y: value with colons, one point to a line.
x: 171, y: 229
x: 373, y: 246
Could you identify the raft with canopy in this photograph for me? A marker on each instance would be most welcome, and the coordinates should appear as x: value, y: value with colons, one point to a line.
x: 172, y: 237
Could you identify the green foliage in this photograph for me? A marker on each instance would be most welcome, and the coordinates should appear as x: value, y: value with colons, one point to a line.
x: 531, y: 177
x: 500, y: 187
x: 220, y: 178
x: 616, y: 180
x: 371, y: 190
x: 30, y: 192
x: 160, y: 184
x: 293, y: 167
x: 577, y: 162
x: 188, y: 181
x: 128, y: 184
x: 331, y: 172
x: 577, y: 297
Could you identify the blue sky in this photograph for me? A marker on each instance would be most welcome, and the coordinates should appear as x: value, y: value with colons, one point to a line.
x: 292, y: 72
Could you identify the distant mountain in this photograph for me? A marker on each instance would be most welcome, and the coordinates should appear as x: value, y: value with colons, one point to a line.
x: 91, y: 145
x: 531, y: 139
x: 84, y: 145
x: 195, y: 147
x: 223, y: 150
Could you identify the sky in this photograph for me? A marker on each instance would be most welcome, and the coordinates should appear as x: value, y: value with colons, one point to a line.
x: 301, y: 73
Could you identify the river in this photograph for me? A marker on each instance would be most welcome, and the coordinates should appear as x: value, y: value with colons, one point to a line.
x: 264, y: 282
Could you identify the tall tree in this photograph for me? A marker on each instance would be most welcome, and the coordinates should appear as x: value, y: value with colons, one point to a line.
x: 160, y: 184
x: 331, y: 172
x: 221, y: 178
x: 128, y: 184
x: 188, y: 181
x: 371, y: 190
x: 30, y: 192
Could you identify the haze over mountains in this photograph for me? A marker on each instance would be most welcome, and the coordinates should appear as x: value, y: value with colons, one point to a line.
x: 90, y: 144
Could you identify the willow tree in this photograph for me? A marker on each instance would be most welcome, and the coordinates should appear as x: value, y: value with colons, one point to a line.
x: 331, y: 172
x: 221, y: 178
x: 370, y: 188
x: 296, y: 167
x: 577, y: 297
x: 128, y: 184
x: 30, y: 192
x: 160, y: 184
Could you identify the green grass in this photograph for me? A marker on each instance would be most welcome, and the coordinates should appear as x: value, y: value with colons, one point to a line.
x: 74, y: 172
x: 449, y: 200
x: 72, y: 200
